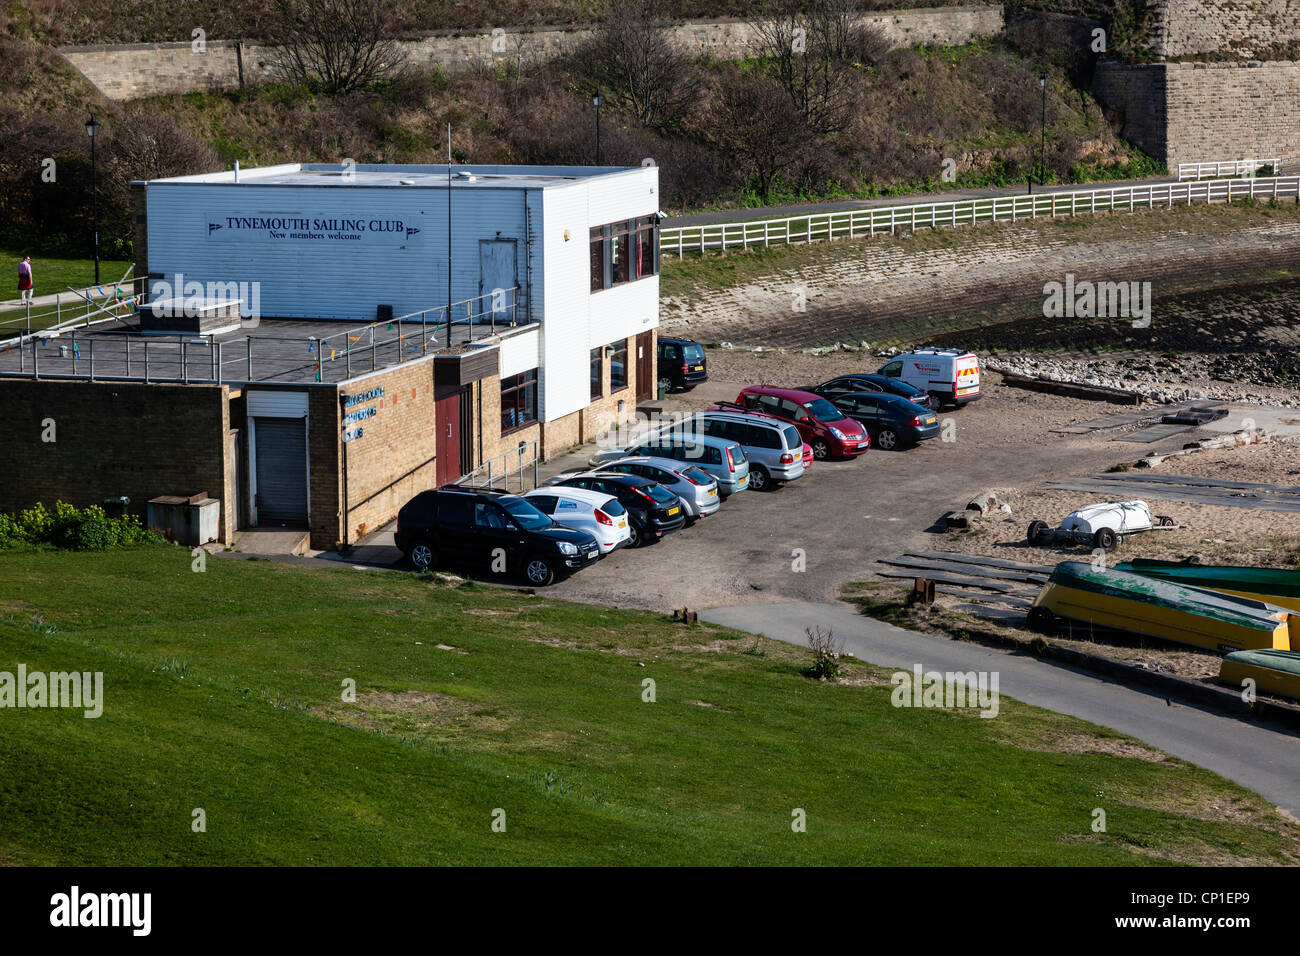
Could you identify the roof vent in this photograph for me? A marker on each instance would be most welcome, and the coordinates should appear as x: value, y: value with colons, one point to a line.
x: 465, y: 176
x: 406, y: 182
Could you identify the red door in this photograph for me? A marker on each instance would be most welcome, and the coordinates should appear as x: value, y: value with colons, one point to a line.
x: 446, y: 416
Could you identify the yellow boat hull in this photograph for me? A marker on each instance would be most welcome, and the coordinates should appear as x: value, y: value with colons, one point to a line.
x: 1155, y: 620
x: 1265, y: 678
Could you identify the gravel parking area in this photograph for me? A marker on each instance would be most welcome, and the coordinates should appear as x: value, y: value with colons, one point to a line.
x: 842, y: 516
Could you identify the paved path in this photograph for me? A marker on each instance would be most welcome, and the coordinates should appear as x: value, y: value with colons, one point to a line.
x: 1263, y: 758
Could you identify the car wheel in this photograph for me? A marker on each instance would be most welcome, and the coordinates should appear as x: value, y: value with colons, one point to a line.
x: 539, y: 572
x: 1042, y: 620
x: 634, y: 539
x: 887, y: 439
x: 422, y: 556
x: 821, y: 450
x: 759, y: 479
x: 1037, y: 532
x: 666, y: 385
x: 936, y: 401
x: 1105, y: 539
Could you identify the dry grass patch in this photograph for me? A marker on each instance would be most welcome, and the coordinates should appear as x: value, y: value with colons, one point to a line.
x: 413, y: 713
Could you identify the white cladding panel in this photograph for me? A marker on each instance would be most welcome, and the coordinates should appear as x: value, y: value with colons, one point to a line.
x: 339, y: 251
x: 566, y: 380
x: 624, y: 195
x: 521, y: 352
x: 274, y: 403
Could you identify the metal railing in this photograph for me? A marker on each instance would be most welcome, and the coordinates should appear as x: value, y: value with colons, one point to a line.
x: 124, y: 355
x: 71, y: 309
x: 1228, y: 168
x: 879, y: 220
x: 508, y: 471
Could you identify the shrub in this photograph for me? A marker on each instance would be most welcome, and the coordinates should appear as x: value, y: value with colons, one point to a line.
x: 826, y: 654
x: 86, y: 529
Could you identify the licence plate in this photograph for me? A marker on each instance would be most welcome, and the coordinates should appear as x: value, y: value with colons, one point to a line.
x: 699, y: 368
x: 931, y: 420
x: 673, y: 511
x: 712, y: 492
x: 593, y: 555
x: 622, y: 525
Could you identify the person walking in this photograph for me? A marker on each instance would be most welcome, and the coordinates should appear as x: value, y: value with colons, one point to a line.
x: 25, y: 280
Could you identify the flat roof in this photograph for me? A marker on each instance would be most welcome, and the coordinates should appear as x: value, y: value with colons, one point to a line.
x: 404, y: 177
x: 280, y: 351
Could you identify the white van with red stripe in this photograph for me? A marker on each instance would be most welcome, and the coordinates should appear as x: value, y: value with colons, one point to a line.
x: 951, y: 376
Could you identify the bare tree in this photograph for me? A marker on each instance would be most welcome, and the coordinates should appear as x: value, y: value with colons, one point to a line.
x: 633, y: 61
x: 756, y: 127
x: 811, y: 48
x: 341, y: 44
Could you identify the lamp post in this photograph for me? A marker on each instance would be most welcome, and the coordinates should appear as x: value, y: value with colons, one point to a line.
x: 596, y: 101
x: 92, y: 130
x: 1042, y: 161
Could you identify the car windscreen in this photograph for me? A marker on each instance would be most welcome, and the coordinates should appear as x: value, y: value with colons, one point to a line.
x: 907, y: 388
x: 613, y: 508
x: 660, y: 494
x: 737, y: 455
x: 693, y: 353
x: 697, y: 475
x: 792, y: 439
x: 525, y: 515
x: 823, y: 410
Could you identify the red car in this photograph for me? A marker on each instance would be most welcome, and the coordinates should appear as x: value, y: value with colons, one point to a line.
x: 822, y: 425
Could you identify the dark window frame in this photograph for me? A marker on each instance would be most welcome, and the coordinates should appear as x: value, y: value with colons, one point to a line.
x: 626, y: 350
x: 623, y: 252
x: 512, y: 386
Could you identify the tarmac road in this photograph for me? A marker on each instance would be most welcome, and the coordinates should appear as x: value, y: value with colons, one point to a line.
x: 1261, y: 757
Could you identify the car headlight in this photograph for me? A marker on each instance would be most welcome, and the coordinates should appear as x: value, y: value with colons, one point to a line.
x: 568, y: 547
x: 837, y: 433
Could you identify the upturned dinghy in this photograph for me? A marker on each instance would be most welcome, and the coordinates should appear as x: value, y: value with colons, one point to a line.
x: 1275, y: 671
x: 1272, y: 585
x: 1082, y: 593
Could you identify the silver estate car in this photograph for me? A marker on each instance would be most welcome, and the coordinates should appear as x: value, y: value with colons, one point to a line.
x: 696, y: 487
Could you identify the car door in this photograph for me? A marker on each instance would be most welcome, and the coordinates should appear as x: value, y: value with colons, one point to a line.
x: 455, y: 529
x: 866, y: 411
x: 496, y: 535
x: 570, y: 513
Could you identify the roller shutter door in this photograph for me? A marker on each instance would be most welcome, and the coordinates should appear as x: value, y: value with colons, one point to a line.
x: 281, y: 469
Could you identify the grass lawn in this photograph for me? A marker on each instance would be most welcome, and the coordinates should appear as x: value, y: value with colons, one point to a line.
x: 222, y: 691
x: 52, y: 275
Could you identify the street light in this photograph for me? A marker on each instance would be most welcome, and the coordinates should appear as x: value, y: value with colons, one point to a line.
x: 92, y: 130
x: 596, y: 101
x: 1042, y: 162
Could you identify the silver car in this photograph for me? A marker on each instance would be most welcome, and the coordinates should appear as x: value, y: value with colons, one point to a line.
x: 697, y: 489
x: 773, y: 447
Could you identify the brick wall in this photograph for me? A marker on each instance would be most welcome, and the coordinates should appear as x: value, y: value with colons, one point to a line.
x: 114, y: 439
x: 130, y: 71
x: 393, y: 460
x: 324, y: 468
x: 1200, y: 112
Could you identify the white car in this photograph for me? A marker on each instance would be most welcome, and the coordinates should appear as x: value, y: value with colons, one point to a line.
x: 1101, y: 525
x: 598, y: 514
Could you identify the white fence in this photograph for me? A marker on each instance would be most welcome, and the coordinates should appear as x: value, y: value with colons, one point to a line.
x: 1232, y: 167
x: 860, y: 223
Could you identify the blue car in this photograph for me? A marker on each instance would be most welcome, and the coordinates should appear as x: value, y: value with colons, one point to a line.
x: 891, y: 420
x: 851, y: 384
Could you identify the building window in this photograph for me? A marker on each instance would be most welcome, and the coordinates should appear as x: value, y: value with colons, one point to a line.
x: 618, y: 366
x: 624, y: 252
x: 597, y: 374
x: 518, y: 400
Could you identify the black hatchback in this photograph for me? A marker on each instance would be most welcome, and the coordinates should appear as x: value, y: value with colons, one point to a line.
x: 846, y: 384
x: 653, y: 509
x: 682, y: 364
x: 489, y: 531
x: 892, y: 421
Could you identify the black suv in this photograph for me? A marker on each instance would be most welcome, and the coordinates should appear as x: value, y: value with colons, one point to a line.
x: 492, y: 531
x: 653, y: 510
x: 682, y: 364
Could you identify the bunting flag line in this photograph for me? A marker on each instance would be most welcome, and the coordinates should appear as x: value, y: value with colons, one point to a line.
x: 311, y: 345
